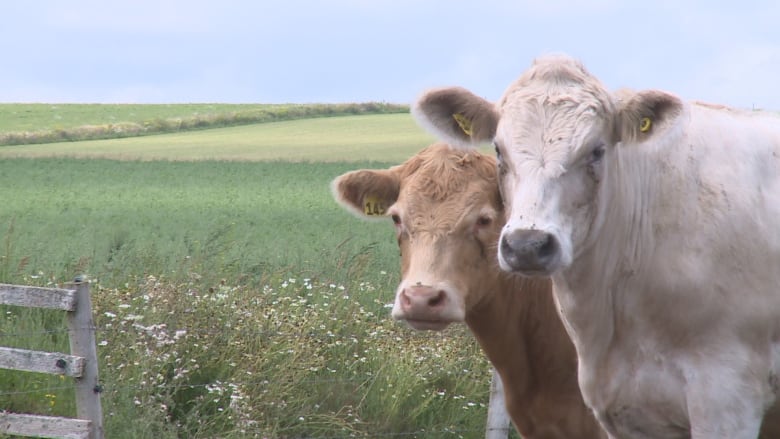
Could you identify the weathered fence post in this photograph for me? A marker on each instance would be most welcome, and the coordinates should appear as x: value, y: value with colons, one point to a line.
x: 81, y: 364
x: 498, y: 424
x: 82, y: 344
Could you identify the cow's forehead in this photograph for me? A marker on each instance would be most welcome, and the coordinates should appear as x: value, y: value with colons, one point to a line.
x: 428, y: 192
x: 440, y: 172
x: 556, y: 87
x: 549, y: 121
x: 546, y: 138
x: 447, y: 184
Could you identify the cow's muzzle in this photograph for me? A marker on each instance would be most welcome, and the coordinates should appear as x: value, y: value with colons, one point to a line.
x: 425, y: 308
x: 529, y: 252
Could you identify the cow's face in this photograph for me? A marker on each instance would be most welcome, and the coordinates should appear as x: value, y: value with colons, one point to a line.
x: 553, y: 133
x: 552, y: 144
x: 446, y: 211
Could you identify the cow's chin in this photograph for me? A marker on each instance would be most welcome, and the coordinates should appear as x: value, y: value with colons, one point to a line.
x: 549, y: 268
x: 527, y: 271
x: 533, y: 273
x: 427, y: 325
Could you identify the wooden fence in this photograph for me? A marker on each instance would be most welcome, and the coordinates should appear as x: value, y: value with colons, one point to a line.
x: 498, y: 423
x: 80, y: 364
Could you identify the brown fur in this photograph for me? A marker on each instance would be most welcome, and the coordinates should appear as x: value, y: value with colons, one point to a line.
x: 442, y: 194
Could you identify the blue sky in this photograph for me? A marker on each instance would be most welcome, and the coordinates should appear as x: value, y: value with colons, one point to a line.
x: 158, y: 51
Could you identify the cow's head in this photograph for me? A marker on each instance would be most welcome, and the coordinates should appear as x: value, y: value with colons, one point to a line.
x: 446, y: 210
x: 555, y: 131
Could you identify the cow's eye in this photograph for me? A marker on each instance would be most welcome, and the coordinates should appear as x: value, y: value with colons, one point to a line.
x: 498, y: 151
x: 483, y: 221
x: 598, y: 153
x: 499, y: 160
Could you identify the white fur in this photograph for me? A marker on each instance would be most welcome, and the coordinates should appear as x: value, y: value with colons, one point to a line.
x: 673, y: 300
x: 671, y: 288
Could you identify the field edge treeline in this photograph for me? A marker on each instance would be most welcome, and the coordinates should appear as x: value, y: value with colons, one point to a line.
x: 212, y: 119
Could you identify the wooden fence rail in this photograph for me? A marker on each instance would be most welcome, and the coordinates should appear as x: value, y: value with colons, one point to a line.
x: 80, y: 364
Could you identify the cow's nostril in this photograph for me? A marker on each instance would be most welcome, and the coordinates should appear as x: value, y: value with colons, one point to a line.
x: 437, y: 300
x: 505, y: 246
x: 406, y: 301
x: 548, y: 247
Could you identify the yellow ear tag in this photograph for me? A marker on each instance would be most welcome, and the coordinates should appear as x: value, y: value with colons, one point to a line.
x: 645, y: 124
x: 373, y: 206
x: 463, y: 123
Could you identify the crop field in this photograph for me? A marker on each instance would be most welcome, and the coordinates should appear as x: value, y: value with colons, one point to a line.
x: 233, y: 297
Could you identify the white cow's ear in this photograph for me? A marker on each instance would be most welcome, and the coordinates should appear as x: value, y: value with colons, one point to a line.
x: 643, y: 114
x: 367, y: 193
x: 456, y: 116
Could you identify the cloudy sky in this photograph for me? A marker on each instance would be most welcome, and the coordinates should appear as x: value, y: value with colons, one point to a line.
x: 280, y: 51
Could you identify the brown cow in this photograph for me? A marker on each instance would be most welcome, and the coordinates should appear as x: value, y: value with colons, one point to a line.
x: 448, y: 214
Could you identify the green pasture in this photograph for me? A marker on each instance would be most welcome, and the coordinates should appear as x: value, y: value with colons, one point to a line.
x: 114, y: 220
x: 384, y: 137
x: 233, y: 297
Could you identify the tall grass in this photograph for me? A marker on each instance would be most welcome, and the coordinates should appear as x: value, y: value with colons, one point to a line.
x: 296, y: 358
x: 231, y: 300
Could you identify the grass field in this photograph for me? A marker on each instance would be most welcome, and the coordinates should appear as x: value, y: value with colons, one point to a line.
x: 23, y: 124
x: 385, y: 137
x: 233, y: 298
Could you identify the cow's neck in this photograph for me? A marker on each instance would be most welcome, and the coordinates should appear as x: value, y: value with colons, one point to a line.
x: 520, y: 332
x: 618, y: 254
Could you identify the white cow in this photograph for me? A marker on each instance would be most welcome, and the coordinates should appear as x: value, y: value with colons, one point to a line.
x: 659, y: 223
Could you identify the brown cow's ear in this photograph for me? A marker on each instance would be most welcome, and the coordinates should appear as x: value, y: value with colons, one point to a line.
x: 368, y: 193
x: 457, y: 116
x: 644, y: 114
